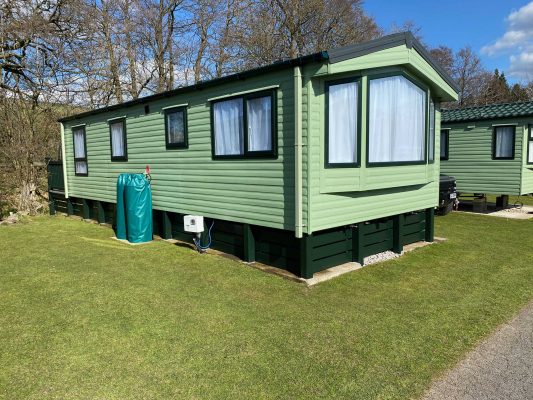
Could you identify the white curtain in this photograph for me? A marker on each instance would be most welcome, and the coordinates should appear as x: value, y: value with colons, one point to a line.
x: 79, y: 143
x: 228, y: 122
x: 81, y: 167
x: 117, y: 139
x: 504, y: 141
x: 259, y: 116
x: 431, y: 144
x: 342, y: 121
x: 530, y: 157
x: 176, y: 133
x: 397, y: 116
x: 443, y: 141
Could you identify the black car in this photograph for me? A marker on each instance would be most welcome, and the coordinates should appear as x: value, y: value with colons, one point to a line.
x: 447, y: 194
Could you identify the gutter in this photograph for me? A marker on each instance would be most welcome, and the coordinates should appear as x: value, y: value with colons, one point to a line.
x: 64, y: 159
x: 298, y: 182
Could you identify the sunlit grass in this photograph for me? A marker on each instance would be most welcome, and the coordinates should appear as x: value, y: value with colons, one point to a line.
x: 83, y: 316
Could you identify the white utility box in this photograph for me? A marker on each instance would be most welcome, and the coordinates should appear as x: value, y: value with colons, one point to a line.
x: 193, y: 223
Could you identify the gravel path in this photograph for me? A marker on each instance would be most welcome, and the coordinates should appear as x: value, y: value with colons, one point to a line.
x: 499, y: 368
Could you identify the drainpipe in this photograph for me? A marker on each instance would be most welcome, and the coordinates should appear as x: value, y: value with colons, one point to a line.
x: 298, y: 228
x: 64, y: 159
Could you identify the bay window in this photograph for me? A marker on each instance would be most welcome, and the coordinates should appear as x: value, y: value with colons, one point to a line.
x: 342, y: 123
x: 396, y: 121
x: 244, y: 126
x: 503, y: 142
x: 80, y: 151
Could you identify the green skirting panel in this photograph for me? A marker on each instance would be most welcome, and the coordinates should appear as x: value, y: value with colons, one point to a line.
x: 280, y: 248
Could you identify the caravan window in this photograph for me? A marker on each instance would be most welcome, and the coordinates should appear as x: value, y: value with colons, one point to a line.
x: 176, y: 127
x: 396, y: 121
x: 503, y: 143
x: 342, y: 123
x: 117, y: 133
x: 244, y: 126
x: 80, y: 151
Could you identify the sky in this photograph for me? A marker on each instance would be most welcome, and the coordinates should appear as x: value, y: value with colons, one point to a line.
x: 500, y: 31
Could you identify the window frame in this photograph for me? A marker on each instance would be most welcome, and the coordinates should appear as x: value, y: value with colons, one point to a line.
x: 333, y: 82
x: 124, y: 136
x: 265, y: 154
x: 416, y: 82
x: 431, y: 160
x: 529, y: 141
x: 494, y: 128
x: 180, y: 145
x: 80, y: 159
x: 447, y: 145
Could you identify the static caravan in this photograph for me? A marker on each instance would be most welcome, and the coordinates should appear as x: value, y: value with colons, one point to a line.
x: 304, y: 164
x: 489, y: 149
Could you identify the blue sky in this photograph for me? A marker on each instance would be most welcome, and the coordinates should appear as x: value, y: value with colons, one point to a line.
x: 500, y: 31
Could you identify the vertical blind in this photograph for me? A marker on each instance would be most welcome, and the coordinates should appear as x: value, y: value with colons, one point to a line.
x: 342, y: 123
x: 259, y: 116
x: 504, y: 142
x: 431, y: 144
x: 228, y: 127
x: 176, y: 131
x: 397, y: 115
x: 117, y: 139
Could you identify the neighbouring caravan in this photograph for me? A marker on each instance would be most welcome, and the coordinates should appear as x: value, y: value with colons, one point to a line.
x: 489, y: 149
x: 303, y: 164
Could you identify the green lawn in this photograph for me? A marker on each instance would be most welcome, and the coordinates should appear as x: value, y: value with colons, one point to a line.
x: 85, y: 317
x: 491, y: 198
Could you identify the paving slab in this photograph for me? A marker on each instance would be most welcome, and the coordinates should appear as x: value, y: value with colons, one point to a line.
x: 500, y: 368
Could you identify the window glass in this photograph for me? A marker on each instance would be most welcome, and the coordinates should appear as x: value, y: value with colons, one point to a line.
x: 228, y: 127
x: 117, y: 139
x: 397, y: 121
x: 80, y: 153
x: 175, y: 127
x: 504, y: 142
x: 259, y: 121
x: 342, y: 123
x: 431, y: 144
x: 79, y: 143
x: 81, y: 167
x: 444, y: 144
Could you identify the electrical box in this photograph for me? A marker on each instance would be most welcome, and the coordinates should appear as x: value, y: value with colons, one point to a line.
x: 193, y: 223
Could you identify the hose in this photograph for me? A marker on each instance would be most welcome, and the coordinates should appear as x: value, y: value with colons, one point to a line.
x: 197, y: 243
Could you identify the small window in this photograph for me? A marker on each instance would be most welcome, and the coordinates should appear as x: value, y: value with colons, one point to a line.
x: 80, y: 151
x: 119, y: 145
x: 444, y: 144
x: 342, y: 119
x: 530, y: 145
x: 431, y: 143
x: 397, y: 112
x: 503, y: 143
x: 176, y: 128
x: 244, y: 126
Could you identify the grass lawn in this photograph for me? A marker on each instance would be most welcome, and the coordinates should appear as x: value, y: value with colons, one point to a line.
x: 491, y: 198
x: 83, y: 316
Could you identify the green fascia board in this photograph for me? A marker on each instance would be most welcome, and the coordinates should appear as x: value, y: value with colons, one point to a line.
x: 390, y: 41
